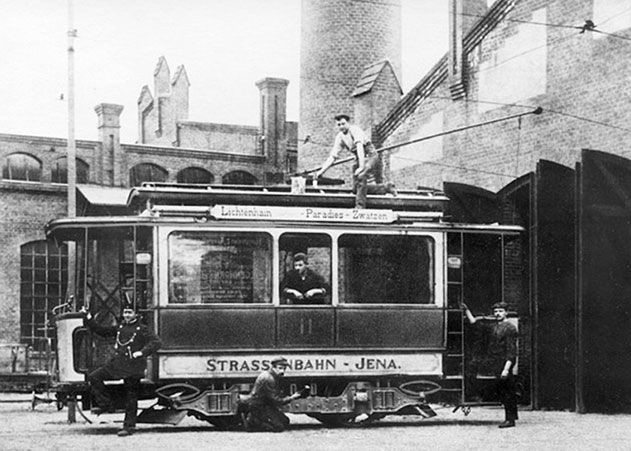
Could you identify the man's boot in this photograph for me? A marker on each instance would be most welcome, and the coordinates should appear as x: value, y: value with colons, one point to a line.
x: 507, y: 424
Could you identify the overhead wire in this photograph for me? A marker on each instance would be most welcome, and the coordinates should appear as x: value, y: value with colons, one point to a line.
x: 529, y: 22
x: 535, y: 111
x: 548, y: 110
x: 583, y: 28
x: 452, y: 166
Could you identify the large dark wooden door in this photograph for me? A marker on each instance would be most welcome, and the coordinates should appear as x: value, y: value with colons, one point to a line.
x: 554, y: 315
x: 604, y: 283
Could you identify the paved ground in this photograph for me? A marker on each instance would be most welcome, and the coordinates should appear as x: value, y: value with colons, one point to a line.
x: 46, y: 428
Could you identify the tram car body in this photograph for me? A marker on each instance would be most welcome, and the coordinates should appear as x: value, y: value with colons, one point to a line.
x: 204, y: 266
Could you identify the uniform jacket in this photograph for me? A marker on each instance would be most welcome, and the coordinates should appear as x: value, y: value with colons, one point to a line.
x: 130, y: 337
x: 266, y: 391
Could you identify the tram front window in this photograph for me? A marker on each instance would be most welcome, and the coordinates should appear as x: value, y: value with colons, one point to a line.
x: 212, y: 267
x: 305, y: 268
x: 386, y: 269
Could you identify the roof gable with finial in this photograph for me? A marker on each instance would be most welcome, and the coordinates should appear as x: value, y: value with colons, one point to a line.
x: 180, y: 74
x: 161, y: 61
x: 145, y: 93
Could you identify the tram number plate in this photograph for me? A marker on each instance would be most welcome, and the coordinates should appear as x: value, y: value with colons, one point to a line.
x: 313, y: 365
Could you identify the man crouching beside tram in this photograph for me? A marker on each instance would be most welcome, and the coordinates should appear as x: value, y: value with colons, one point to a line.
x: 502, y: 349
x: 134, y: 342
x: 262, y: 409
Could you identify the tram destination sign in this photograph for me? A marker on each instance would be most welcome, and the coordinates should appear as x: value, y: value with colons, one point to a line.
x: 309, y: 214
x: 365, y: 364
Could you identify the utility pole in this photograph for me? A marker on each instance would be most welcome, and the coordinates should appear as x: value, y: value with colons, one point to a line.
x: 71, y: 172
x: 71, y: 167
x: 72, y: 150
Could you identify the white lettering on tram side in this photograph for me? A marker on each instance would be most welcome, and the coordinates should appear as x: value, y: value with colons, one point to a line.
x: 230, y: 365
x: 329, y: 364
x: 324, y: 214
x: 245, y: 212
x: 253, y: 212
x: 370, y: 215
x: 376, y: 364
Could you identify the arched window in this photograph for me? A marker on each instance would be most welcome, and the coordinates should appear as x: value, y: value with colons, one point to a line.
x: 238, y: 178
x: 147, y: 172
x: 59, y: 173
x: 20, y: 166
x: 195, y: 175
x: 43, y: 279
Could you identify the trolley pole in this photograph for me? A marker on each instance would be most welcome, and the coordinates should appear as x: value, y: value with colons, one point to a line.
x: 71, y: 174
x: 536, y: 111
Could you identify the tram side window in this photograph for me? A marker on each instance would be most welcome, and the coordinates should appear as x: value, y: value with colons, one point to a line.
x: 305, y: 268
x: 213, y: 267
x: 386, y: 269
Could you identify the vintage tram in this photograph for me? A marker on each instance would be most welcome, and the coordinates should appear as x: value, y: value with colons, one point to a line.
x: 204, y: 264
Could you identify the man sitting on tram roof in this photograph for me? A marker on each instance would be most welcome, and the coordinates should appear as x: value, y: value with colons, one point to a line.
x: 302, y: 285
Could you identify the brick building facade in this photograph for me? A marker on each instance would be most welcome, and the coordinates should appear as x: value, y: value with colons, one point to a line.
x: 340, y: 39
x: 33, y: 189
x: 511, y: 63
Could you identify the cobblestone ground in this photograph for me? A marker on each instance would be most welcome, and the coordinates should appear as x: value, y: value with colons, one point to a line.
x: 46, y: 428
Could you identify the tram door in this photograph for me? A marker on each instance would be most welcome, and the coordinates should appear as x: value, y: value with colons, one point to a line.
x: 113, y: 268
x: 483, y: 268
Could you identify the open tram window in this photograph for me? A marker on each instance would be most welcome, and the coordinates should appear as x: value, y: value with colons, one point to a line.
x: 305, y: 268
x: 114, y: 264
x: 215, y: 267
x: 386, y: 269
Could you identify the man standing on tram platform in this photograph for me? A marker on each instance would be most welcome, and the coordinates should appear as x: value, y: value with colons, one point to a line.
x: 502, y: 354
x: 353, y: 139
x: 134, y: 343
x: 263, y: 406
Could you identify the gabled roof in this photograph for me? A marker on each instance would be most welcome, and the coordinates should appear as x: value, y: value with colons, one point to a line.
x: 433, y: 79
x: 370, y: 76
x: 161, y: 61
x: 145, y: 92
x: 180, y: 72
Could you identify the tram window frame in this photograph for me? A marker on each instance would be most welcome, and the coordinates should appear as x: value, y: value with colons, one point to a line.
x: 394, y: 264
x: 262, y: 294
x: 311, y: 244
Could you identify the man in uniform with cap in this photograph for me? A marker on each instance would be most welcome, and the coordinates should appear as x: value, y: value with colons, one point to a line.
x: 353, y: 139
x: 502, y: 355
x: 134, y: 342
x: 263, y: 407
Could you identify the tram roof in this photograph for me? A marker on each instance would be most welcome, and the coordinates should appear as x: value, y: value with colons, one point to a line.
x: 99, y: 226
x: 172, y: 204
x: 425, y: 199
